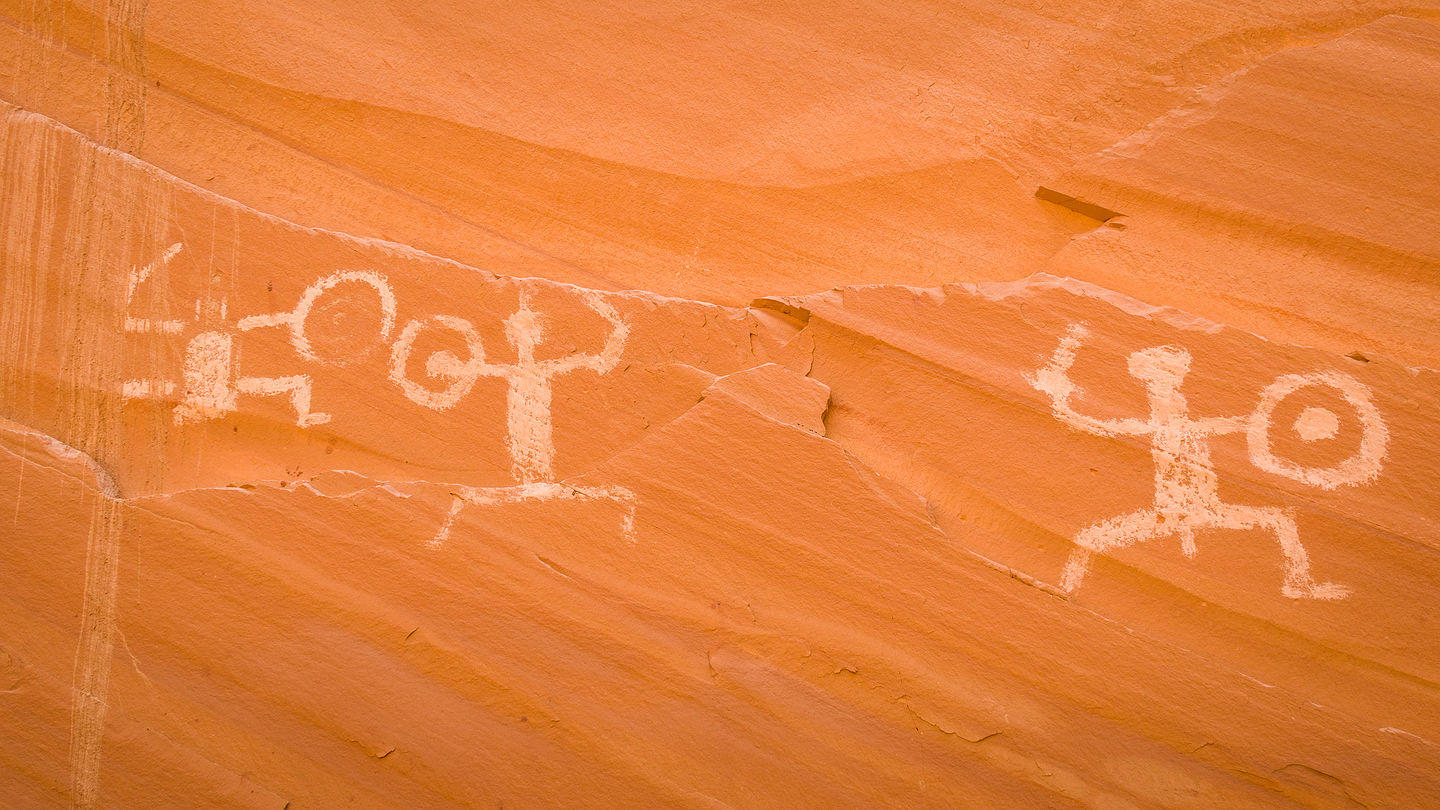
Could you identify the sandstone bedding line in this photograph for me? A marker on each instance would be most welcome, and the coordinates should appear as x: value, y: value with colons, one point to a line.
x: 481, y: 196
x: 100, y: 234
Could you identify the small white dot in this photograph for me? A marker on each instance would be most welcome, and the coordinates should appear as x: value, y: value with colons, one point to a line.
x: 1315, y: 424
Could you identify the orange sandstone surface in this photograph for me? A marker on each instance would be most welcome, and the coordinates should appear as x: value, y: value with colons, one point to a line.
x: 743, y: 405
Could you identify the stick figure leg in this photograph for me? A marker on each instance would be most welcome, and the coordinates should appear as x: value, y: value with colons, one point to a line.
x: 1298, y: 582
x: 619, y: 495
x: 1116, y: 532
x: 544, y: 491
x: 457, y: 502
x: 477, y: 496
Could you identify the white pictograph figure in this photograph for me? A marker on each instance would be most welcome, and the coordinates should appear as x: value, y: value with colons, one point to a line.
x: 299, y: 386
x: 212, y: 383
x: 148, y: 388
x: 1187, y: 496
x: 540, y: 491
x: 529, y: 432
x: 295, y: 319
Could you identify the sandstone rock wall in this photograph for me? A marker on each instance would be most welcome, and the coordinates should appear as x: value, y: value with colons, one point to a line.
x: 753, y: 406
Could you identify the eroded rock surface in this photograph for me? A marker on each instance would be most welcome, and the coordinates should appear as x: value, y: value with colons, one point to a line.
x: 355, y: 450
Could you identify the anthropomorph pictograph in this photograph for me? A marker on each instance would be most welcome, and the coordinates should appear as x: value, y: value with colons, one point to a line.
x: 1187, y: 498
x: 529, y: 386
x: 212, y: 381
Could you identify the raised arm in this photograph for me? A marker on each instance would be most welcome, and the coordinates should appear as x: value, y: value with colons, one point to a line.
x: 1220, y: 425
x: 1054, y: 381
x: 609, y: 355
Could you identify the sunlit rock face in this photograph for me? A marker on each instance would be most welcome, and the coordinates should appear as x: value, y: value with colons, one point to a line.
x: 564, y: 405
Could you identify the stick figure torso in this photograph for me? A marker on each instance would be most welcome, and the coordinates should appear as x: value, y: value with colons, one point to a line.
x: 1187, y: 488
x: 529, y: 385
x: 527, y: 399
x: 529, y: 391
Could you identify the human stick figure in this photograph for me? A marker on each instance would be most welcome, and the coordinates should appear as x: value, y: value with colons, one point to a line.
x: 529, y: 387
x: 1187, y: 495
x: 212, y: 382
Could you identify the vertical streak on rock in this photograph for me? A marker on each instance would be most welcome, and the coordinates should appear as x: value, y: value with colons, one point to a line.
x: 92, y: 658
x: 95, y: 257
x: 125, y: 85
x: 99, y: 249
x: 38, y: 65
x: 81, y: 419
x: 159, y: 203
x: 28, y: 211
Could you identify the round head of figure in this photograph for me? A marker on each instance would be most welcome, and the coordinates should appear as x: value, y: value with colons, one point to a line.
x: 524, y: 327
x: 1161, y: 368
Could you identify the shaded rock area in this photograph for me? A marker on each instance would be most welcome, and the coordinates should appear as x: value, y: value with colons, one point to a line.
x: 744, y: 406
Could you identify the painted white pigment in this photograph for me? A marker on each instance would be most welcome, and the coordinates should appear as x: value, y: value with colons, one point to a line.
x: 138, y: 276
x: 151, y: 388
x: 146, y: 389
x: 1361, y: 467
x: 1186, y: 485
x: 209, y: 367
x: 529, y: 432
x: 529, y: 391
x: 547, y: 491
x: 459, y: 376
x: 1316, y: 424
x: 212, y: 383
x: 212, y: 388
x: 299, y: 386
x: 295, y: 319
